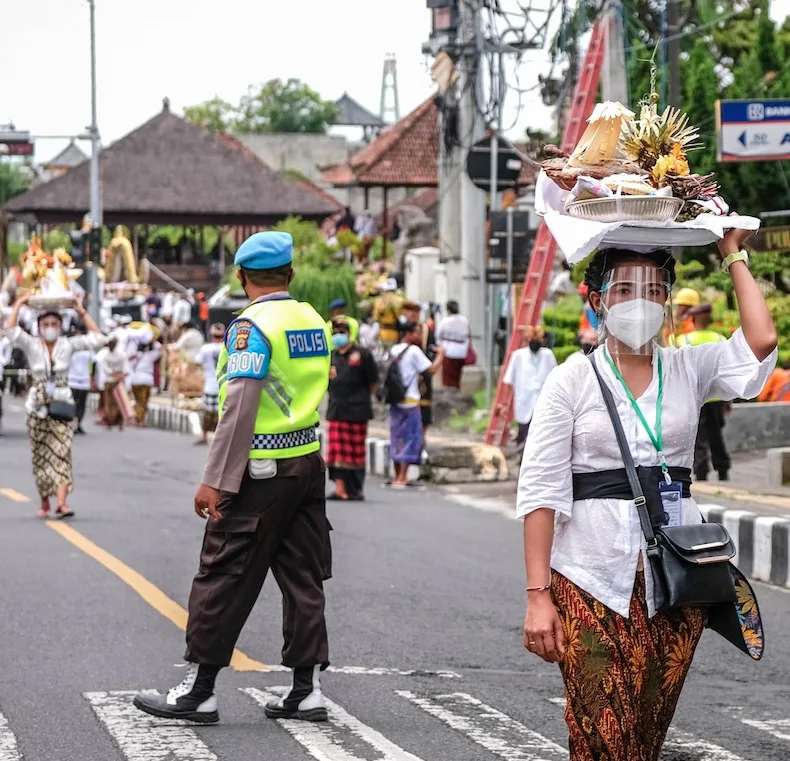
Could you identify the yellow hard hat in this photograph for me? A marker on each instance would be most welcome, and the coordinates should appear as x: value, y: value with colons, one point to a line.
x: 686, y: 297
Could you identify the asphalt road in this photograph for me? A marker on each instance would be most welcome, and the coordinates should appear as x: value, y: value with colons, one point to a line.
x: 425, y: 614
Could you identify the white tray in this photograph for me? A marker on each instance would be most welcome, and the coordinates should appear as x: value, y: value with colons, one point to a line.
x: 626, y: 208
x: 628, y: 235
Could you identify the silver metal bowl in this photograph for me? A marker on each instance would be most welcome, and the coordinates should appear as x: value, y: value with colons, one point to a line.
x: 41, y: 301
x: 627, y: 209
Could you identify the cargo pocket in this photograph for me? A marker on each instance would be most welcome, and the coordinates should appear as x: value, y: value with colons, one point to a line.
x: 327, y: 551
x: 227, y: 544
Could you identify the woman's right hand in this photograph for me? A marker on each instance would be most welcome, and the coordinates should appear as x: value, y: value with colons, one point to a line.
x: 23, y: 299
x: 543, y: 633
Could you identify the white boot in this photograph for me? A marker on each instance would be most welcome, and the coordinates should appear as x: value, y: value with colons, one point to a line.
x: 305, y: 700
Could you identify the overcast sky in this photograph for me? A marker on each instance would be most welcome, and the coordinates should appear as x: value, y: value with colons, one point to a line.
x: 191, y: 50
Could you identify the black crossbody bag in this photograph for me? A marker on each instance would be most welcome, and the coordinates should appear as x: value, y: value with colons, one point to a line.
x: 690, y: 564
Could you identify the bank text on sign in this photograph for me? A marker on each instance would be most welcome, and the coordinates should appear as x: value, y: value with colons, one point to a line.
x: 753, y: 130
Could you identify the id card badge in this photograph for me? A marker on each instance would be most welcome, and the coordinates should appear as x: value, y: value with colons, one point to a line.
x: 672, y: 501
x: 49, y: 387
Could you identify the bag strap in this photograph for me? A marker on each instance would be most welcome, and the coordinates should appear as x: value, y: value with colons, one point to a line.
x: 628, y: 460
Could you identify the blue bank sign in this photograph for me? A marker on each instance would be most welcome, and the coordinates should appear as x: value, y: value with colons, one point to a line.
x: 753, y: 130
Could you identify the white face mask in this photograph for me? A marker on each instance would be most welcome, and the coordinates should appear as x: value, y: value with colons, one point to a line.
x: 635, y: 322
x: 50, y: 335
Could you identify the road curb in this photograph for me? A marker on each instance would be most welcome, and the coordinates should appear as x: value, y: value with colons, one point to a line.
x: 740, y: 495
x: 762, y: 542
x: 162, y: 417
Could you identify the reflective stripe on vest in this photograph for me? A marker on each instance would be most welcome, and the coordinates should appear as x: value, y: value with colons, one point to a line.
x: 298, y: 378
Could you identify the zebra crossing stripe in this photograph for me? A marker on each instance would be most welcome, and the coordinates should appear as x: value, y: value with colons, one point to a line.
x: 491, y: 729
x: 9, y: 750
x: 141, y: 737
x: 338, y: 739
x: 682, y: 743
x: 778, y: 728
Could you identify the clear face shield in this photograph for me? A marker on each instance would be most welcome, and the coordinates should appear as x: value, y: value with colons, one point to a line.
x: 635, y: 308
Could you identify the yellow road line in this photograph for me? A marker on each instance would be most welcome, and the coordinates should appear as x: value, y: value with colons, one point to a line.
x: 14, y: 495
x: 154, y: 596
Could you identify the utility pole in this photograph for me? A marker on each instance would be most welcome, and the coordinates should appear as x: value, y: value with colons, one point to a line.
x: 95, y: 200
x: 473, y: 243
x: 673, y: 52
x: 614, y: 82
x: 450, y: 170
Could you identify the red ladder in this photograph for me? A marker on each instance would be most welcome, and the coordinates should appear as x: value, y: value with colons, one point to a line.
x: 541, y: 264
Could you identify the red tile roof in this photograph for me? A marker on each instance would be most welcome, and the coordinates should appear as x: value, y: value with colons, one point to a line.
x: 405, y: 155
x: 402, y: 156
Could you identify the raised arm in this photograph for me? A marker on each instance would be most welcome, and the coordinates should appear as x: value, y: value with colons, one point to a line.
x: 756, y: 322
x: 13, y: 318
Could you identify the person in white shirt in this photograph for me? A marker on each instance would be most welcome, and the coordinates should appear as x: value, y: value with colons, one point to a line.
x: 208, y: 356
x: 142, y: 364
x: 453, y: 335
x: 591, y: 603
x: 5, y: 359
x: 114, y: 365
x: 406, y: 431
x: 526, y: 372
x: 80, y: 372
x: 51, y: 435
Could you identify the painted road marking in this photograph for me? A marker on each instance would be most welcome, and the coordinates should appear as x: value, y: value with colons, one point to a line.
x: 682, y: 742
x: 338, y: 739
x: 778, y: 728
x: 363, y: 671
x: 9, y: 750
x: 154, y: 596
x: 145, y: 738
x: 491, y: 729
x: 14, y: 495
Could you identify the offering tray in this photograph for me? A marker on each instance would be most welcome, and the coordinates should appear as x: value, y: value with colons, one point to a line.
x: 51, y: 301
x: 626, y: 209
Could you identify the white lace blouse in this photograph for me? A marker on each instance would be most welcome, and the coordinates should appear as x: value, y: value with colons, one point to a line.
x: 37, y: 357
x: 597, y: 542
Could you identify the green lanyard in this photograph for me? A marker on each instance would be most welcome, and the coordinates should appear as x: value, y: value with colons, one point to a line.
x: 656, y: 438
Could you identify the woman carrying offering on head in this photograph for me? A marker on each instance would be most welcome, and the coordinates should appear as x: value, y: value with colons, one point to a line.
x: 49, y: 427
x: 590, y: 592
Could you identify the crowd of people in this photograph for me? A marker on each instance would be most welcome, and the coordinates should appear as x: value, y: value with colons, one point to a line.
x: 609, y: 453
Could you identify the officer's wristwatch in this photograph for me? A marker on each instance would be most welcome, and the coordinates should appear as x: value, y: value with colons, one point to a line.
x: 738, y: 256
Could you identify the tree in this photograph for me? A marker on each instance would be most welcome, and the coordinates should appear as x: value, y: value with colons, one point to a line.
x: 215, y: 115
x: 13, y: 181
x: 279, y: 106
x: 275, y: 106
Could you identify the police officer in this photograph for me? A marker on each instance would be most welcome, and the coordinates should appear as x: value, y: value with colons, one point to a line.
x: 263, y: 493
x: 709, y: 445
x: 337, y: 309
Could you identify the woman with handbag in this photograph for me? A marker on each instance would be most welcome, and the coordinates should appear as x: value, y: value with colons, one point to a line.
x: 50, y: 404
x: 599, y: 601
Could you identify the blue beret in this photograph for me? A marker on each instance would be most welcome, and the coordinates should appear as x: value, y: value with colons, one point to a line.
x: 265, y: 251
x: 337, y: 304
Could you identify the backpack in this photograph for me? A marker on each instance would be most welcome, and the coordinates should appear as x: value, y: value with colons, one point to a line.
x: 392, y: 390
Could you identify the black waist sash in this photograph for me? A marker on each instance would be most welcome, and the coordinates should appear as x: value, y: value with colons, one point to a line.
x: 613, y: 484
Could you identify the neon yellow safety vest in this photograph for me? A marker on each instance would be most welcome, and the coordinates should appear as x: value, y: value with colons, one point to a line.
x: 353, y: 326
x: 286, y: 344
x: 698, y: 337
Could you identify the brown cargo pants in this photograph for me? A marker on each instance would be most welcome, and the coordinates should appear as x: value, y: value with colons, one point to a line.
x: 278, y: 523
